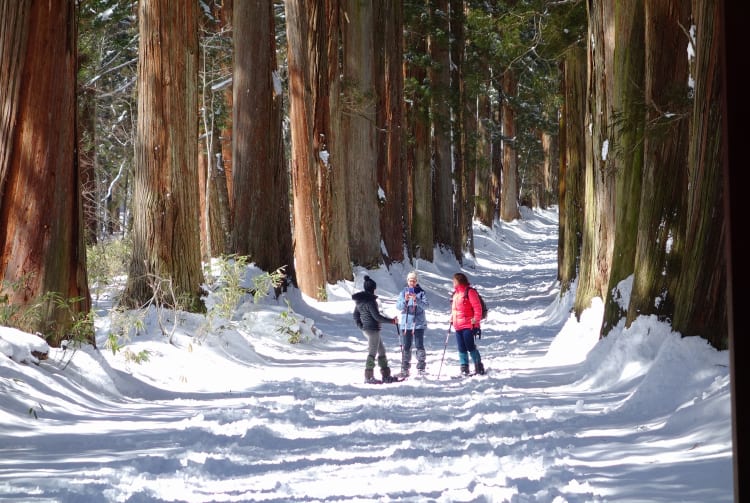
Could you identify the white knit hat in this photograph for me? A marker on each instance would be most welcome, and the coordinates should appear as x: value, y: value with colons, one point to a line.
x: 412, y: 274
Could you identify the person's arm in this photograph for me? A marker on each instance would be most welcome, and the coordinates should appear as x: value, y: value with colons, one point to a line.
x: 401, y: 301
x: 357, y: 317
x: 376, y: 314
x: 422, y: 300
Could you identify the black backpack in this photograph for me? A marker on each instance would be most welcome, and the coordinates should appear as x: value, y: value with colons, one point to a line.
x: 481, y: 300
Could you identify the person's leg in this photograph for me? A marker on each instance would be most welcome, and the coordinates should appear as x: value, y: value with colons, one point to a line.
x: 463, y: 351
x: 385, y: 371
x: 419, y: 345
x: 474, y: 352
x: 373, y: 337
x: 406, y: 352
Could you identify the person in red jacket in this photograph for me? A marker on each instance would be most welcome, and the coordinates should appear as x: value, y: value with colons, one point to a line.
x: 466, y: 314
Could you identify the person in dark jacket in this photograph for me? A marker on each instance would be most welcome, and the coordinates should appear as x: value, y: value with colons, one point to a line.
x: 412, y: 302
x: 368, y: 318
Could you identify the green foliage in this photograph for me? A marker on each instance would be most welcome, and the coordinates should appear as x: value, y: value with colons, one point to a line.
x: 289, y: 325
x: 46, y: 313
x: 265, y: 282
x: 106, y: 260
x: 114, y: 345
x: 12, y: 315
x: 227, y: 286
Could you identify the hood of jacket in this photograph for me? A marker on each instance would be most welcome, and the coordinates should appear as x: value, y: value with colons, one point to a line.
x: 360, y: 297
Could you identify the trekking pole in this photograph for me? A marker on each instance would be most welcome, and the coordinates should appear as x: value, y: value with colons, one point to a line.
x: 402, y: 336
x: 447, y: 336
x: 401, y: 341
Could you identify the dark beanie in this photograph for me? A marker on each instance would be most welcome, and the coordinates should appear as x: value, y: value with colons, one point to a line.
x: 370, y: 285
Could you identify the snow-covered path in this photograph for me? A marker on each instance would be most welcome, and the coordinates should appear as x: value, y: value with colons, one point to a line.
x: 241, y: 415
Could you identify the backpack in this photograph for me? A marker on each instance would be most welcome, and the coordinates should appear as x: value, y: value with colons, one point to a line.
x: 481, y: 300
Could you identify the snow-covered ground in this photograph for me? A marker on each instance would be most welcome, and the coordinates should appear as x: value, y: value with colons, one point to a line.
x: 229, y: 410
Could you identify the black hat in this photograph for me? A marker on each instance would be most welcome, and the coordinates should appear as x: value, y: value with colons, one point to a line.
x: 370, y: 285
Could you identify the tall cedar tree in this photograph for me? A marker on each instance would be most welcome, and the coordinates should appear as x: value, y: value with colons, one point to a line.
x: 358, y: 133
x: 419, y: 206
x: 443, y: 222
x: 42, y: 250
x: 389, y: 84
x: 261, y: 226
x: 701, y: 294
x: 660, y: 242
x: 572, y: 165
x: 318, y: 180
x: 509, y: 210
x: 599, y: 177
x: 463, y: 238
x: 627, y: 149
x: 215, y: 140
x: 166, y: 261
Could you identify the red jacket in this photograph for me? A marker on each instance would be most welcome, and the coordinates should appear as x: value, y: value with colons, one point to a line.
x: 464, y: 310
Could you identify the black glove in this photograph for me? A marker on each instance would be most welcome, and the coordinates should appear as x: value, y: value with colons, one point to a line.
x: 477, y: 333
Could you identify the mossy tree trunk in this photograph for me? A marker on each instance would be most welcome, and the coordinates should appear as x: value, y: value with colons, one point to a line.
x: 660, y: 241
x: 701, y: 299
x: 627, y: 149
x: 572, y: 166
x: 599, y: 179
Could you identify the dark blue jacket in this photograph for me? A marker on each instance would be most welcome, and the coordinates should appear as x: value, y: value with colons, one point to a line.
x: 366, y: 314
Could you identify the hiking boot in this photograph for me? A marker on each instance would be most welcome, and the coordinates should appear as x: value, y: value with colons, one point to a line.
x: 370, y: 377
x: 479, y: 367
x: 464, y: 370
x: 385, y: 372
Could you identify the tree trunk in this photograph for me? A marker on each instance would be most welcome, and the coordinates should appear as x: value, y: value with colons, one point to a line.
x: 497, y: 150
x: 572, y: 166
x: 358, y: 133
x: 318, y: 180
x: 700, y: 297
x: 86, y: 141
x: 419, y: 164
x: 549, y: 146
x: 215, y: 217
x: 166, y: 233
x: 42, y: 249
x: 464, y: 194
x: 388, y: 42
x: 441, y: 116
x: 333, y: 181
x: 261, y: 227
x: 598, y: 227
x: 628, y: 126
x: 509, y: 191
x: 484, y: 182
x: 660, y: 242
